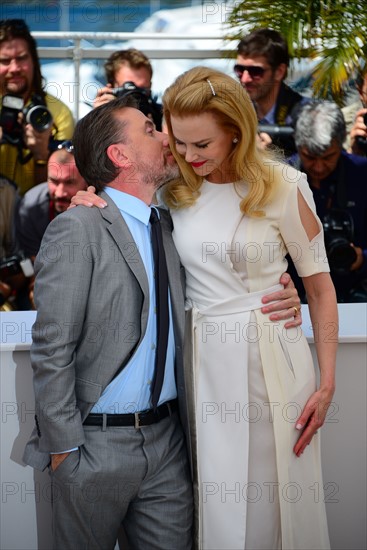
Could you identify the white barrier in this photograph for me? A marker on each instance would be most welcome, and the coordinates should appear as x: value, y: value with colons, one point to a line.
x: 25, y: 493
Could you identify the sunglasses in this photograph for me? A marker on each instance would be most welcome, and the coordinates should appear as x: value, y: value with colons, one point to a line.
x: 253, y: 70
x: 67, y: 145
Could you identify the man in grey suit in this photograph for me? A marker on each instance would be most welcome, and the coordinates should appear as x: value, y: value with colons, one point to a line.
x: 94, y: 346
x: 93, y: 350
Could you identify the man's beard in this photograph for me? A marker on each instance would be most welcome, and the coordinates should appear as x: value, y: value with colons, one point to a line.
x: 263, y: 92
x: 171, y: 173
x: 15, y: 89
x: 158, y: 177
x: 61, y: 204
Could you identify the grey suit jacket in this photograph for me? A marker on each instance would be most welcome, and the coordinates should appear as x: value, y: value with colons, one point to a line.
x: 92, y: 300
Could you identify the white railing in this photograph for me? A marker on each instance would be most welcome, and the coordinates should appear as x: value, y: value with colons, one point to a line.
x: 77, y: 52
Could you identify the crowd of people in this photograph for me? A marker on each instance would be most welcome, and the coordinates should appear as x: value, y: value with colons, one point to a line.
x: 172, y: 311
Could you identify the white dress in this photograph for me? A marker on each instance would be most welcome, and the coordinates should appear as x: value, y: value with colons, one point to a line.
x: 248, y: 378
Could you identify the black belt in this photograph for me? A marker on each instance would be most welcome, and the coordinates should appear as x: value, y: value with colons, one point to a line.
x: 144, y: 418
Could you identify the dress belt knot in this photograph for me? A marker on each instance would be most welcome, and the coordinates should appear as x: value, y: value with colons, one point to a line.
x: 237, y: 304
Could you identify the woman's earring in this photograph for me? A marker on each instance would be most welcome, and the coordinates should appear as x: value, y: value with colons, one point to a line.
x: 235, y: 140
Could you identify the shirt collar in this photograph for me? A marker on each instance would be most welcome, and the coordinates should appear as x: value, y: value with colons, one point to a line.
x: 269, y: 118
x: 129, y: 204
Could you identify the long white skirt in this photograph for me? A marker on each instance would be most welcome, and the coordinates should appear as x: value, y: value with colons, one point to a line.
x: 251, y: 491
x: 237, y: 473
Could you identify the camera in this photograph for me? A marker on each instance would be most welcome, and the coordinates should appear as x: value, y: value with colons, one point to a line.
x: 146, y: 104
x: 36, y: 114
x: 361, y: 141
x: 339, y: 232
x: 14, y: 265
x: 275, y: 130
x: 281, y: 136
x: 11, y: 107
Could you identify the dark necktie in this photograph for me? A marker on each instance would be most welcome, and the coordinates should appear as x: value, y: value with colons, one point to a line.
x: 162, y: 314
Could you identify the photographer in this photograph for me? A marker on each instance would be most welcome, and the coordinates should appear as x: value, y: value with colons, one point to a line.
x: 262, y: 66
x: 30, y: 119
x: 15, y: 269
x: 41, y: 204
x: 130, y: 72
x: 338, y: 182
x: 358, y: 133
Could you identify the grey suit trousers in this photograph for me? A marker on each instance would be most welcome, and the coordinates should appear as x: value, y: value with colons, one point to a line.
x: 138, y: 478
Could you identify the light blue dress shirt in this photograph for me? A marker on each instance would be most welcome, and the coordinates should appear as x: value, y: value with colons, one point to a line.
x: 269, y: 118
x: 130, y: 391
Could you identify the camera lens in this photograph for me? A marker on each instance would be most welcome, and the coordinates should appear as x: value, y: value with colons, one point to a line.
x: 338, y: 232
x: 341, y: 255
x: 39, y: 117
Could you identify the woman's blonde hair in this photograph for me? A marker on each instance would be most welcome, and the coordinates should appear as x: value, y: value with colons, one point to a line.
x: 204, y: 90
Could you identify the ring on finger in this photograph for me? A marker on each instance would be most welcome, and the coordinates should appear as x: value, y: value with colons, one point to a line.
x: 296, y: 310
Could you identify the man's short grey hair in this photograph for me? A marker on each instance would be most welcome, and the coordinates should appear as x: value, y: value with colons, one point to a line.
x: 318, y: 124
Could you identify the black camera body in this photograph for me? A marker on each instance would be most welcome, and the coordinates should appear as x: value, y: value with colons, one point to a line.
x: 14, y: 265
x: 146, y: 103
x: 281, y: 136
x: 36, y: 114
x: 275, y: 130
x: 339, y: 233
x: 12, y: 129
x: 361, y: 141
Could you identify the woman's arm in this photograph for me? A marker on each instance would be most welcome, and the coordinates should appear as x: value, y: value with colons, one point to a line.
x: 322, y: 305
x: 324, y: 317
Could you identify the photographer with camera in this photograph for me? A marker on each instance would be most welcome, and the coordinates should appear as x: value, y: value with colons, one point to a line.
x: 338, y: 182
x: 358, y: 132
x: 41, y: 204
x: 130, y: 72
x: 15, y: 268
x: 30, y: 118
x: 262, y: 66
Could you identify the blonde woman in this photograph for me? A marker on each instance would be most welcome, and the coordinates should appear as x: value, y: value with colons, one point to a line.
x: 256, y: 409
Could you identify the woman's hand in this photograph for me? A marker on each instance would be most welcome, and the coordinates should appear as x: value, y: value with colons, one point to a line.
x: 312, y: 417
x: 287, y: 304
x: 87, y: 198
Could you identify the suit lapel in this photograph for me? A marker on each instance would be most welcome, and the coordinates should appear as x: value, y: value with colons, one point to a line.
x: 120, y: 233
